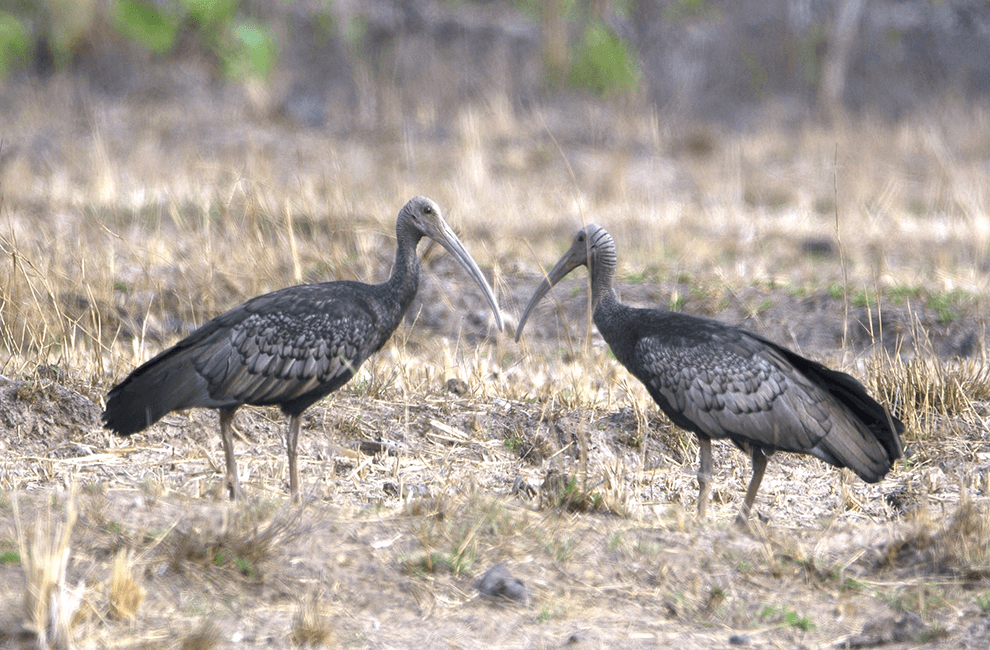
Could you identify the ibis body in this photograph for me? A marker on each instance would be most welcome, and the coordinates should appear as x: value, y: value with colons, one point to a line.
x: 720, y: 381
x: 288, y: 348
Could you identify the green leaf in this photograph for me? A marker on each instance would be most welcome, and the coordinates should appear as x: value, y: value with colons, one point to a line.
x: 209, y: 13
x: 603, y: 63
x: 15, y: 44
x: 143, y: 23
x: 252, y: 53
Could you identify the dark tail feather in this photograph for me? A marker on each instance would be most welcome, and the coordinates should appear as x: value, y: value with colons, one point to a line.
x: 164, y: 384
x: 886, y: 428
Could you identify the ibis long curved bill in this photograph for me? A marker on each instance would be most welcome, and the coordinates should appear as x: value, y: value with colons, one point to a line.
x: 441, y: 233
x: 576, y: 255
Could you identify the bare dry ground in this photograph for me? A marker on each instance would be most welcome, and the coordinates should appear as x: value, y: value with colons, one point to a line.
x: 456, y: 449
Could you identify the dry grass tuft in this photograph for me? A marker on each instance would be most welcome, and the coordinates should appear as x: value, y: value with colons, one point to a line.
x: 51, y: 605
x: 244, y: 541
x: 206, y: 637
x: 126, y: 590
x: 926, y: 386
x: 312, y: 625
x: 960, y: 547
x: 570, y: 493
x: 454, y: 536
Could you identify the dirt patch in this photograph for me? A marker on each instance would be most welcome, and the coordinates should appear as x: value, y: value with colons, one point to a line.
x: 589, y: 507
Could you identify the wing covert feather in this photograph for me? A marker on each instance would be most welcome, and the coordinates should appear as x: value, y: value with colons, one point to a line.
x: 283, y: 345
x: 732, y: 386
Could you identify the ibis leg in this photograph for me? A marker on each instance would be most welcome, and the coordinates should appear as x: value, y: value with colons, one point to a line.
x: 291, y: 443
x: 759, y: 466
x: 704, y: 476
x: 226, y: 432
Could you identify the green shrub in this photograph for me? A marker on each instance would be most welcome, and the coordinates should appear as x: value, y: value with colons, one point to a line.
x: 251, y: 53
x: 603, y: 64
x: 15, y: 44
x: 144, y: 23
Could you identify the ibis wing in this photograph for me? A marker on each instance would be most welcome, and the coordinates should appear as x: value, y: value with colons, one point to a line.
x: 733, y: 386
x: 287, y: 344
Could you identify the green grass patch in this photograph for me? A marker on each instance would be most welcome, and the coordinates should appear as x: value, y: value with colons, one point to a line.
x: 901, y: 294
x: 948, y: 304
x: 439, y: 562
x: 514, y: 444
x: 10, y: 557
x: 603, y: 64
x: 15, y: 44
x: 864, y: 297
x: 144, y: 23
x: 785, y: 616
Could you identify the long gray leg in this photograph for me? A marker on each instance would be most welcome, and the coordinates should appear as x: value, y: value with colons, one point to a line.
x: 759, y: 466
x: 704, y: 476
x: 291, y: 443
x: 226, y: 432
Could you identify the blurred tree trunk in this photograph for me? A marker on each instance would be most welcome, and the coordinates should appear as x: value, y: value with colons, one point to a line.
x: 553, y: 37
x: 836, y: 64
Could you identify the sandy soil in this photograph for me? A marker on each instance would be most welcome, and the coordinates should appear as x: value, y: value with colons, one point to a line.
x: 411, y: 498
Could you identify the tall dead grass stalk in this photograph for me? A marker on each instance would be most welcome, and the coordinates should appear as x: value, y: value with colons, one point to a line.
x: 50, y: 604
x: 925, y: 386
x: 126, y: 590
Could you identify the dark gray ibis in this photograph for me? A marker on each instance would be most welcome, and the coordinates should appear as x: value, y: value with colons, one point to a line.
x: 288, y: 348
x: 724, y: 382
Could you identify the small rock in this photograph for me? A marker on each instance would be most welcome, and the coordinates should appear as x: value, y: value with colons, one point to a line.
x: 739, y: 639
x: 375, y: 447
x: 523, y: 488
x: 887, y: 630
x: 818, y: 247
x: 498, y: 583
x: 456, y: 386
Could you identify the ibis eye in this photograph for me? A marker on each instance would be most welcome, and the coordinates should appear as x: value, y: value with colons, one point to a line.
x: 428, y: 210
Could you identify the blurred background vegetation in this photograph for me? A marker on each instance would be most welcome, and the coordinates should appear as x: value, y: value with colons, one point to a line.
x: 327, y: 61
x: 169, y: 158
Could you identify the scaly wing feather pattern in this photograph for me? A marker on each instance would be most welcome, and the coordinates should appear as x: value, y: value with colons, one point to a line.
x: 731, y: 384
x: 297, y: 344
x: 886, y: 428
x: 290, y: 347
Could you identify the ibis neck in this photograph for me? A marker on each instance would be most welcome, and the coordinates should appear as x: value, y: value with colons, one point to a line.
x: 601, y: 284
x: 404, y: 281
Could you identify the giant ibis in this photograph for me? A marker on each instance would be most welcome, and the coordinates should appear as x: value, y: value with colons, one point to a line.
x: 288, y: 348
x: 720, y: 381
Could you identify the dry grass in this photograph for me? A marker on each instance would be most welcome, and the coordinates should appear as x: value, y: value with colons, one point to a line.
x: 959, y: 547
x: 926, y: 386
x: 175, y: 243
x: 117, y: 245
x: 51, y: 603
x: 312, y: 626
x: 126, y: 590
x: 243, y: 542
